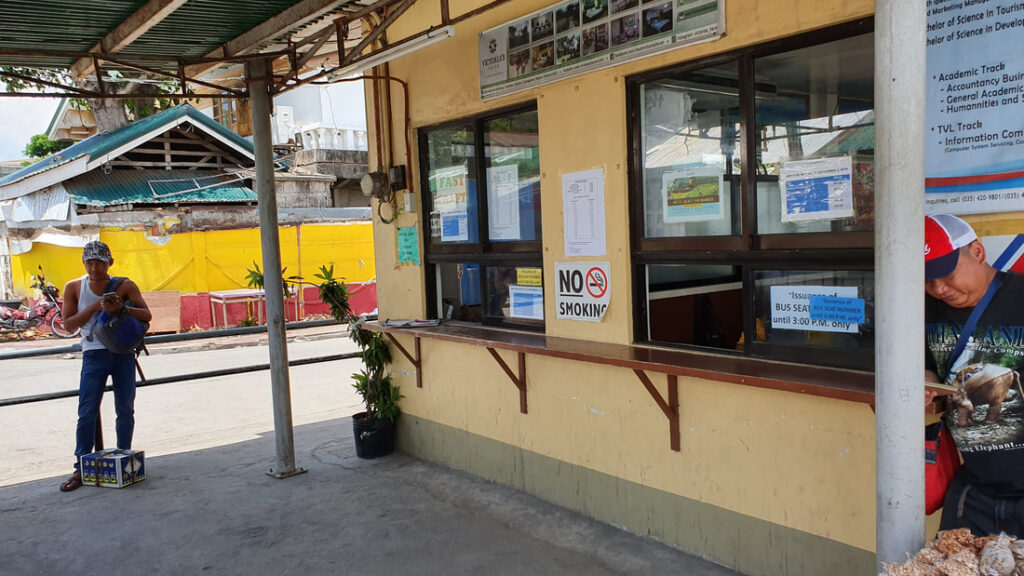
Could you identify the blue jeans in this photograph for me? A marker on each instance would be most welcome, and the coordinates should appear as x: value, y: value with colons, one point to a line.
x: 97, y: 365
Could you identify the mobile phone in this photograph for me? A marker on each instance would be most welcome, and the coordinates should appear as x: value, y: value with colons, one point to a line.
x: 110, y: 296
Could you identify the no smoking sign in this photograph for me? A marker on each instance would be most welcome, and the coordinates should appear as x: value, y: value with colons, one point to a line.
x: 583, y: 290
x: 597, y: 282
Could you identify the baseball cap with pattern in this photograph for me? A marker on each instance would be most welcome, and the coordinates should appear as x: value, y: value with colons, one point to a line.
x: 96, y: 250
x: 944, y: 236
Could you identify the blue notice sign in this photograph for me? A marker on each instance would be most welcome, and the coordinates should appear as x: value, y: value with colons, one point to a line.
x: 837, y: 309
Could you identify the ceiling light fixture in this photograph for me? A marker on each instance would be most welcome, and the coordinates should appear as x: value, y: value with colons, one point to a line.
x: 388, y: 54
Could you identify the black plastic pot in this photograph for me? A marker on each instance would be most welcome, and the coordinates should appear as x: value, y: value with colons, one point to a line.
x: 374, y: 437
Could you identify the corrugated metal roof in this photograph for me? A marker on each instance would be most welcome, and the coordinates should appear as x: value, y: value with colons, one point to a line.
x: 99, y: 144
x: 192, y: 31
x: 59, y: 25
x: 95, y: 188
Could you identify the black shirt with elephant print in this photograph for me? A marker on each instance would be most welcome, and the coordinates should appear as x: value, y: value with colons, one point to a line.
x: 986, y: 414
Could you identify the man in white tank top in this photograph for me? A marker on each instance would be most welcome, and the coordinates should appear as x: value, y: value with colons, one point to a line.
x: 83, y: 299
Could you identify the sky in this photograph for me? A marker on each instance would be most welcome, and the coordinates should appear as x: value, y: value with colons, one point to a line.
x: 20, y: 119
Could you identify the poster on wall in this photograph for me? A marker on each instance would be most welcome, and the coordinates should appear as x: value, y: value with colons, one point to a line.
x: 819, y: 308
x: 449, y: 191
x: 526, y: 302
x: 579, y: 36
x: 503, y: 202
x: 974, y: 112
x: 583, y: 290
x: 817, y: 189
x: 583, y: 213
x: 408, y: 246
x: 692, y: 194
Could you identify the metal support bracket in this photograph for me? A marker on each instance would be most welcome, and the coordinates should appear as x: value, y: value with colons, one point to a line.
x: 519, y: 382
x: 416, y: 361
x: 670, y: 408
x: 288, y: 474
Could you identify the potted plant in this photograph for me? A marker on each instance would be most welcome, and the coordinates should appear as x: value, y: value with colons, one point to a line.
x: 373, y: 429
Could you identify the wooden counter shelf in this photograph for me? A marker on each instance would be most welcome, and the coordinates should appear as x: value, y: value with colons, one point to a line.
x: 850, y: 385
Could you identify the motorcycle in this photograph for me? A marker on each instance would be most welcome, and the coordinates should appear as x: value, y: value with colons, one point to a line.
x: 46, y: 310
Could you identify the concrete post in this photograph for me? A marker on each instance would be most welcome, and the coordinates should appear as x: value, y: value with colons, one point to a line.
x: 257, y: 74
x: 899, y: 276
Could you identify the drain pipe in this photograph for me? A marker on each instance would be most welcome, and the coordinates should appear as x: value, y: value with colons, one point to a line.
x: 258, y: 75
x: 899, y: 277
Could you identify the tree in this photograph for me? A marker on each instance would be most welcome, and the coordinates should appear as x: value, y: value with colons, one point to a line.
x: 110, y: 114
x: 41, y: 146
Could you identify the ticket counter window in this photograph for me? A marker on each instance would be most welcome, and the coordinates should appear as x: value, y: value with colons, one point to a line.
x: 697, y: 305
x: 690, y: 132
x: 451, y: 152
x: 804, y: 313
x: 512, y: 157
x: 459, y: 291
x: 483, y: 211
x: 503, y: 295
x: 515, y: 295
x: 815, y: 138
x: 752, y: 191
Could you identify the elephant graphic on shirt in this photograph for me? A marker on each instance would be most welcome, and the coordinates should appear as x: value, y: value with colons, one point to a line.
x: 981, y: 384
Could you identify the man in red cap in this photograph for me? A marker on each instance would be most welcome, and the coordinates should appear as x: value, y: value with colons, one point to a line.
x: 986, y: 413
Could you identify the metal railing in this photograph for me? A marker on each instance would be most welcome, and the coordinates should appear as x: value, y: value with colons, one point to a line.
x: 179, y: 377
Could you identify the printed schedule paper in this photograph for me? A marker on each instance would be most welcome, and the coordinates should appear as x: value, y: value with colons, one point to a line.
x: 583, y: 213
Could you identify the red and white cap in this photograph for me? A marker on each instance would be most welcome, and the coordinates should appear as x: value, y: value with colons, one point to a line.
x: 944, y: 236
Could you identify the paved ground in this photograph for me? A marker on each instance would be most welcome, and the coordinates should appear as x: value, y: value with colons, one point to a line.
x: 208, y: 506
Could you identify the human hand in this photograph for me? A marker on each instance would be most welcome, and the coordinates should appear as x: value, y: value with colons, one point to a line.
x: 929, y: 396
x: 111, y: 303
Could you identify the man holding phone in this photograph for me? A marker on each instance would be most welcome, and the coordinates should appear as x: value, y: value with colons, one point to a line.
x: 84, y: 298
x: 973, y: 315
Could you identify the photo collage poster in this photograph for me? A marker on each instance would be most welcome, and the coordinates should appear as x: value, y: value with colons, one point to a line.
x: 579, y: 36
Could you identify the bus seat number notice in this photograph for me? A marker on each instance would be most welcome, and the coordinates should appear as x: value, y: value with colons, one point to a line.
x: 818, y: 308
x: 583, y: 290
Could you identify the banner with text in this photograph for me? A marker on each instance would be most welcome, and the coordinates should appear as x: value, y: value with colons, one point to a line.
x: 974, y: 132
x: 579, y: 36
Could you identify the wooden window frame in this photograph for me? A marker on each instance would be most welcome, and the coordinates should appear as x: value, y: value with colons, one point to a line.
x: 485, y: 253
x: 748, y: 250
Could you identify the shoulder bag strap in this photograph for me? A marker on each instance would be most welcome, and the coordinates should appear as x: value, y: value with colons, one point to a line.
x: 972, y: 321
x: 112, y: 285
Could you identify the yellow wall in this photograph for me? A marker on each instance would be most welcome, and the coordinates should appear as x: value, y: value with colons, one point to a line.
x: 211, y: 260
x: 797, y: 461
x: 582, y: 126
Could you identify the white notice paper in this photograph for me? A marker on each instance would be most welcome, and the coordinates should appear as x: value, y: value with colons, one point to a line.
x: 526, y: 302
x: 503, y: 202
x: 816, y: 189
x: 583, y: 213
x: 791, y: 308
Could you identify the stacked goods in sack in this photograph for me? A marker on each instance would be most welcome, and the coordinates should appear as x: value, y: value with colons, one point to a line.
x: 959, y: 553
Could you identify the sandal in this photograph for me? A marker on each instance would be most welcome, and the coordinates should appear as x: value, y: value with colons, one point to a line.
x: 72, y: 483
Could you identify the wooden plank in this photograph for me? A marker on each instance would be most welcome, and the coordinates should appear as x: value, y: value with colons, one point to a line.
x: 838, y: 383
x: 145, y: 18
x: 301, y: 13
x: 166, y: 308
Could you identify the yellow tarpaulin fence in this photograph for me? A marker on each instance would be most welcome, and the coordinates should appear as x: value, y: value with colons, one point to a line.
x: 211, y: 260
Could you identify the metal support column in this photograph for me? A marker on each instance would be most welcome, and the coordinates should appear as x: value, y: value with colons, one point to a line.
x: 258, y: 76
x: 899, y: 276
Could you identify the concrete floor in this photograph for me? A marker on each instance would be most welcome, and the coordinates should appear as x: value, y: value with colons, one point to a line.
x: 208, y: 507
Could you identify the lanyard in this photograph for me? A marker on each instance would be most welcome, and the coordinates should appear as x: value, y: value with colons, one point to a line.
x: 972, y: 321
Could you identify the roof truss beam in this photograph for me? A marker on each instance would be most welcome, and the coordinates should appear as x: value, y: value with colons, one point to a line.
x: 133, y: 27
x: 298, y: 15
x: 306, y: 56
